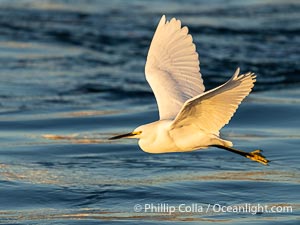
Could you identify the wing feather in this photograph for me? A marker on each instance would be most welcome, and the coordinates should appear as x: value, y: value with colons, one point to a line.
x: 213, y: 109
x: 172, y: 67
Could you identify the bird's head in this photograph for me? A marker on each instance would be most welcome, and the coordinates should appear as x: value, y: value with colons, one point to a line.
x: 137, y: 133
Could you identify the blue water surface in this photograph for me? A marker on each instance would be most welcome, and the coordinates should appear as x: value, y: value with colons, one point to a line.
x: 72, y: 75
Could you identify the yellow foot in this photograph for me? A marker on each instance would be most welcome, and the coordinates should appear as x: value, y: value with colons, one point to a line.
x: 258, y: 157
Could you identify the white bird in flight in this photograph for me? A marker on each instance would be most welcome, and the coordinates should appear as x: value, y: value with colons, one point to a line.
x: 189, y: 118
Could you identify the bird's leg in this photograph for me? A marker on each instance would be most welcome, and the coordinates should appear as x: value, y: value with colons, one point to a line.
x: 255, y: 155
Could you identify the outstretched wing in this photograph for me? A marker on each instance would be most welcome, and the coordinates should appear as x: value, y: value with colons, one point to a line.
x: 172, y: 67
x: 212, y: 110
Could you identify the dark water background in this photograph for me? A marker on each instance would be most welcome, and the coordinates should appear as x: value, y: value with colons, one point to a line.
x: 72, y: 74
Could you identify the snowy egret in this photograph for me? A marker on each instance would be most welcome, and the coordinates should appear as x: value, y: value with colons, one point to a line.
x: 189, y: 118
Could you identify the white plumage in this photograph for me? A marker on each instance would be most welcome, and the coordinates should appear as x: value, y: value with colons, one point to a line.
x: 212, y: 110
x: 172, y: 67
x: 190, y: 118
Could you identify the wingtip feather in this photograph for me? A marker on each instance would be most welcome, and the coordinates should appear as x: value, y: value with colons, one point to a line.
x: 162, y: 20
x: 236, y: 73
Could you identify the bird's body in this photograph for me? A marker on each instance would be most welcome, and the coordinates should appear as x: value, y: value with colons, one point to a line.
x: 190, y: 118
x: 159, y: 137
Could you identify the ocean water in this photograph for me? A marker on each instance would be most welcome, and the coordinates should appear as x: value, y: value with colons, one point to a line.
x: 72, y: 75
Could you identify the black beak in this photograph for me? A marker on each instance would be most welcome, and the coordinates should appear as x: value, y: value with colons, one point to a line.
x: 122, y: 136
